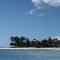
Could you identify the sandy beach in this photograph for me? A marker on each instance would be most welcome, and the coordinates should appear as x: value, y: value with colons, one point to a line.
x: 29, y: 48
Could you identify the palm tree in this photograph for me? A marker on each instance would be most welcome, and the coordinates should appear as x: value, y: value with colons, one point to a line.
x: 37, y: 44
x: 33, y: 43
x: 44, y: 43
x: 15, y: 41
x: 27, y: 42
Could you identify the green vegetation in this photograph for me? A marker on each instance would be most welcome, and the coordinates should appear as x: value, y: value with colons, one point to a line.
x: 25, y: 42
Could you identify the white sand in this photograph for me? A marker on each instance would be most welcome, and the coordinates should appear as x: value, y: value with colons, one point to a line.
x: 30, y: 48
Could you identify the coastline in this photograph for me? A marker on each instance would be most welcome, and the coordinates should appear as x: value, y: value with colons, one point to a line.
x: 29, y: 48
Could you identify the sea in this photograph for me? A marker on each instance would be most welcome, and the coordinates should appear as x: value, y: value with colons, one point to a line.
x: 21, y: 54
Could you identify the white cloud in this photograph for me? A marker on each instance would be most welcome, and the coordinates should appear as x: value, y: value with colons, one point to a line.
x: 31, y: 11
x: 58, y: 37
x: 45, y: 3
x: 41, y: 4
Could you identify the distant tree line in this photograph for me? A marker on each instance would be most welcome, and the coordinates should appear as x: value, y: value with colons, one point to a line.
x: 25, y: 42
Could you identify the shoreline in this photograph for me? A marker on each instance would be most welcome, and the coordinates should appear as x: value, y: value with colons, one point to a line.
x: 29, y: 48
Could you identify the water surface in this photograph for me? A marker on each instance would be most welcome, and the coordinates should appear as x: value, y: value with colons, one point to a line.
x: 29, y: 55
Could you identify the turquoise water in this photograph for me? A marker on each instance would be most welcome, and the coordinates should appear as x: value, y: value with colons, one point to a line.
x: 29, y: 55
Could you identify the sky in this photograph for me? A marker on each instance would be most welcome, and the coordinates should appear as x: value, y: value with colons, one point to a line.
x: 37, y: 19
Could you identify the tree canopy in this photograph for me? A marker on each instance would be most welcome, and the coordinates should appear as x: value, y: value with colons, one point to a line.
x: 25, y: 42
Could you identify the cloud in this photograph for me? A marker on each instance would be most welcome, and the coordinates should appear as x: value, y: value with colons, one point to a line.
x: 34, y: 11
x: 31, y: 11
x: 45, y: 3
x: 58, y: 37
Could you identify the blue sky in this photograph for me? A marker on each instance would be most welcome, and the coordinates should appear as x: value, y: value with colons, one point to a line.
x: 23, y: 18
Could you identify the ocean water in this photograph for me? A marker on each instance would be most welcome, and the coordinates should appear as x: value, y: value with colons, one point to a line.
x: 29, y: 55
